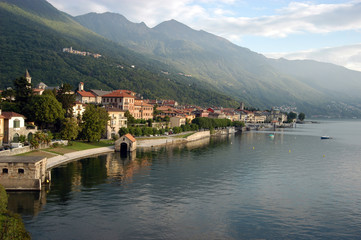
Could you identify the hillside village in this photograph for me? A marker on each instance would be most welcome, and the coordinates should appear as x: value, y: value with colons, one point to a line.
x: 163, y: 115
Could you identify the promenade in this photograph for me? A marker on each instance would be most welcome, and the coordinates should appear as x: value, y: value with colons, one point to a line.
x: 61, y: 159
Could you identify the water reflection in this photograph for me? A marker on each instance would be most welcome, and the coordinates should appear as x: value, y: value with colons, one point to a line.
x: 27, y: 203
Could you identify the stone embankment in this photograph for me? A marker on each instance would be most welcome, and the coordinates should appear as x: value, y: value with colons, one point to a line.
x: 61, y: 159
x: 142, y: 144
x: 154, y: 142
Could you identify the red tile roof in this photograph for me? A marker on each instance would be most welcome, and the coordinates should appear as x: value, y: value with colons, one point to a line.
x: 9, y: 115
x: 85, y: 94
x: 119, y: 93
x: 130, y: 137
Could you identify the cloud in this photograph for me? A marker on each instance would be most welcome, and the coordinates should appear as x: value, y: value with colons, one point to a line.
x: 347, y: 56
x: 219, y: 16
x: 296, y: 18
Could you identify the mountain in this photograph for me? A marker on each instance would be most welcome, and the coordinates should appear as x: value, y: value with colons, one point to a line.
x: 237, y: 71
x: 33, y: 34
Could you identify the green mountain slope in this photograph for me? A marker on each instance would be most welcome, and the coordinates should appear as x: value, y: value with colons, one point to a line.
x: 239, y: 72
x: 33, y: 34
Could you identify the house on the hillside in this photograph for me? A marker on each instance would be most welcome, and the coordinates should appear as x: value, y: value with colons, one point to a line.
x: 142, y: 110
x: 78, y: 109
x: 119, y: 99
x: 14, y: 127
x: 177, y: 121
x: 99, y: 94
x: 84, y: 96
x: 126, y: 100
x: 170, y: 103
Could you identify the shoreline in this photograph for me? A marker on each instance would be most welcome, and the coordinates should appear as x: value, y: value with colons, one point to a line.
x: 144, y: 144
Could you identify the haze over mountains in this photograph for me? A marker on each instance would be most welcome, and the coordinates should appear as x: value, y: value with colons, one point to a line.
x: 232, y: 69
x: 218, y: 67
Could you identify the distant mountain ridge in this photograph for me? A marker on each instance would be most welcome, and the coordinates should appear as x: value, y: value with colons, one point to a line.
x: 237, y: 71
x: 33, y: 34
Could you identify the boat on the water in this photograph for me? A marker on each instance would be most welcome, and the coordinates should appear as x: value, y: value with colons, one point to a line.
x: 326, y: 137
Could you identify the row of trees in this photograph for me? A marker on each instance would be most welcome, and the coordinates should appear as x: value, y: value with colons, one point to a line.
x: 292, y: 116
x: 210, y: 123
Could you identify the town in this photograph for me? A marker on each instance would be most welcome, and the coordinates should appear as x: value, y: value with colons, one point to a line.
x: 124, y: 111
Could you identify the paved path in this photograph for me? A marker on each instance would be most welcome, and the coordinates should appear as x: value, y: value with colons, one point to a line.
x: 60, y: 159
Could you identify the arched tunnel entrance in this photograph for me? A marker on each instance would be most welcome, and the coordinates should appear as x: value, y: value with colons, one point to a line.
x: 123, y: 148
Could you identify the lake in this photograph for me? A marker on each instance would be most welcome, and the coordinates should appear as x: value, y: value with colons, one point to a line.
x: 243, y: 186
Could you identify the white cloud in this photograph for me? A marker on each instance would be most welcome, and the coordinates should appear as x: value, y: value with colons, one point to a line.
x: 214, y: 15
x: 347, y: 56
x: 296, y: 18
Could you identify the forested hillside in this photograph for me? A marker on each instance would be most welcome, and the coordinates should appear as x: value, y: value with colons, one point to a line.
x: 34, y: 33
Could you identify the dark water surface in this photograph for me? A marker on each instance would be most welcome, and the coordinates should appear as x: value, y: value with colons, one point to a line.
x: 246, y: 186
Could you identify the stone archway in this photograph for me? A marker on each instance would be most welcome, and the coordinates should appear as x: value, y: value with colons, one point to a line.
x: 16, y: 138
x: 123, y: 148
x: 30, y: 136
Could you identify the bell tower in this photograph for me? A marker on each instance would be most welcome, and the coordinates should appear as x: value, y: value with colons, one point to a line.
x: 27, y: 76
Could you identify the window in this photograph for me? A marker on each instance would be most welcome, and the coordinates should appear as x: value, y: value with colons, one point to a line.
x: 16, y: 123
x: 21, y: 171
x: 5, y: 171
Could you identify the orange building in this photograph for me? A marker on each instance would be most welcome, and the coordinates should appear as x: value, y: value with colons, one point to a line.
x: 125, y: 100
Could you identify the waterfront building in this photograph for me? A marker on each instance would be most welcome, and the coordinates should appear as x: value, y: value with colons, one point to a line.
x: 126, y: 143
x: 126, y: 100
x: 14, y: 127
x: 23, y: 173
x: 117, y: 121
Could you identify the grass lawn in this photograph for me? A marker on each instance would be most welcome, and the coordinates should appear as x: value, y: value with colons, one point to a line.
x: 75, y: 146
x: 79, y: 146
x: 37, y: 153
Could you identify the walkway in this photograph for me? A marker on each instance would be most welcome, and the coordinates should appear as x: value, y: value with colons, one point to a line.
x: 61, y: 159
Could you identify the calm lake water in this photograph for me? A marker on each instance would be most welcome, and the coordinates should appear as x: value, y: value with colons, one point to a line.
x: 245, y: 186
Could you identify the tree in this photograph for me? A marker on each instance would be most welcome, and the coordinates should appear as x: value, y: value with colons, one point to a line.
x: 95, y: 120
x: 291, y: 116
x: 23, y: 91
x: 301, y: 116
x: 130, y: 118
x: 123, y: 131
x: 44, y: 110
x: 9, y: 94
x: 12, y: 226
x: 69, y: 129
x: 66, y: 99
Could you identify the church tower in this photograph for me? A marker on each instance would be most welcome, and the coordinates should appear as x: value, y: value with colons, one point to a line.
x: 81, y: 86
x: 27, y: 76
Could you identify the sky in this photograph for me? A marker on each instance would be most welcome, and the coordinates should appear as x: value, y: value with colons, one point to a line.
x: 322, y: 30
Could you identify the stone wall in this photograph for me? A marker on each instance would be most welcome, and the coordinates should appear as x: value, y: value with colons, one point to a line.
x: 15, y: 151
x: 198, y: 135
